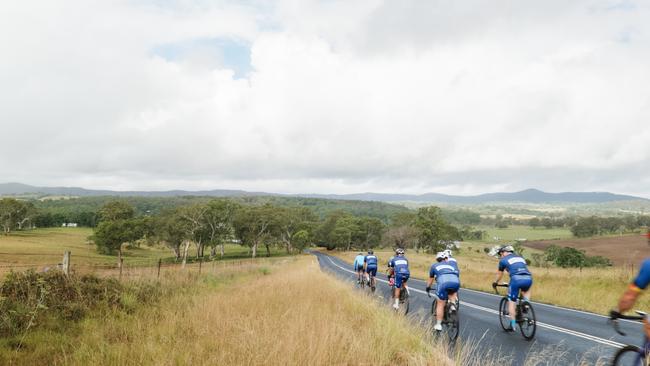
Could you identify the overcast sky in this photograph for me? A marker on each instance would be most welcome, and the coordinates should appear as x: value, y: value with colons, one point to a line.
x: 327, y: 96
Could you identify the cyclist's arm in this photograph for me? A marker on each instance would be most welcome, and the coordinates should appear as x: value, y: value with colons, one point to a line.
x: 430, y: 282
x: 499, y: 276
x: 629, y: 298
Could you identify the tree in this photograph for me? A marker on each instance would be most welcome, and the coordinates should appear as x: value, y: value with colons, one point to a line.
x: 109, y: 236
x: 253, y: 224
x: 218, y: 219
x: 169, y: 229
x: 534, y: 222
x: 195, y: 230
x: 586, y: 226
x: 14, y: 214
x: 116, y: 210
x: 371, y: 230
x: 290, y: 221
x: 433, y: 229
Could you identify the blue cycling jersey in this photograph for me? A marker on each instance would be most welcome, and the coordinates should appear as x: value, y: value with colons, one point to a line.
x: 514, y: 264
x: 371, y: 260
x: 643, y: 278
x: 358, y: 261
x: 444, y: 268
x: 400, y: 264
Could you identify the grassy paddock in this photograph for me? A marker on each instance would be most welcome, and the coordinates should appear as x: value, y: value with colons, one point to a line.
x: 591, y: 289
x: 514, y: 232
x: 42, y: 248
x: 244, y: 317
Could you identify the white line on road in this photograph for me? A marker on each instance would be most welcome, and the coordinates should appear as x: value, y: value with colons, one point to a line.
x: 606, y: 342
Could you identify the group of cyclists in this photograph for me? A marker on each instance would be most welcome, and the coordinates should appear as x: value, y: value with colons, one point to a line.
x: 446, y: 274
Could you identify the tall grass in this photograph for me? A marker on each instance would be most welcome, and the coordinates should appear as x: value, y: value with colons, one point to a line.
x: 590, y: 289
x: 274, y: 315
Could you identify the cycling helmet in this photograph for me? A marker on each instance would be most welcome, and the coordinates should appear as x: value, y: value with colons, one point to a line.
x: 441, y: 256
x: 399, y: 251
x: 447, y: 253
x: 506, y: 248
x: 370, y: 252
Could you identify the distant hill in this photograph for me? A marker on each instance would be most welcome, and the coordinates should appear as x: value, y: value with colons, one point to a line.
x: 525, y: 196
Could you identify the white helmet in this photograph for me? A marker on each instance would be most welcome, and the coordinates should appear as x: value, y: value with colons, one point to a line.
x: 441, y: 255
x: 447, y: 253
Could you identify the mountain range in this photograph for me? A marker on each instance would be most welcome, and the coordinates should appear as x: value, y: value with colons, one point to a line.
x: 525, y: 196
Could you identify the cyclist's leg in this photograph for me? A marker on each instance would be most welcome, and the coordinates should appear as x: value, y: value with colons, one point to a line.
x: 513, y: 294
x: 526, y: 289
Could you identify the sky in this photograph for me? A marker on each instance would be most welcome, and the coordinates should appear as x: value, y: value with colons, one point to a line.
x: 329, y: 96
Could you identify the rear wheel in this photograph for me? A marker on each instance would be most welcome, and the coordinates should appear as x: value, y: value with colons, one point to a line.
x: 453, y: 325
x: 504, y: 316
x: 528, y: 323
x: 362, y: 283
x: 629, y: 356
x: 403, y: 301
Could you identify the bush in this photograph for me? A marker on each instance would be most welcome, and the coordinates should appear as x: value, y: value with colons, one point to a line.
x: 572, y: 257
x: 31, y: 297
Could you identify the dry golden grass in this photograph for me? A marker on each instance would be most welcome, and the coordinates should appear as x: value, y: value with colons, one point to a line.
x: 289, y: 314
x: 591, y: 289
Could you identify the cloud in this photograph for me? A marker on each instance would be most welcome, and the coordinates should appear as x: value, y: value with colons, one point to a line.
x: 326, y: 96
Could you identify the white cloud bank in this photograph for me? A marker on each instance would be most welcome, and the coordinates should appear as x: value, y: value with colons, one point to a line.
x: 392, y: 96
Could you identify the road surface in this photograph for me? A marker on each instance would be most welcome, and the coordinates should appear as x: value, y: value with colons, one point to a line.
x: 564, y: 336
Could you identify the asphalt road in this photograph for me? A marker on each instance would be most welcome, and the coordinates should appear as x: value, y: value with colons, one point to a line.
x: 564, y: 336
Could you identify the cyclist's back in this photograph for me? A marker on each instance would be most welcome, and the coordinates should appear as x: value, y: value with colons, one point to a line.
x: 358, y: 262
x: 514, y: 264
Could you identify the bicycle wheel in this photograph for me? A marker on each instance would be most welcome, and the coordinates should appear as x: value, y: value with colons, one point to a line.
x: 404, y: 301
x: 528, y: 323
x: 629, y: 356
x: 362, y: 283
x: 504, y: 317
x: 373, y: 284
x: 433, y: 308
x: 453, y: 324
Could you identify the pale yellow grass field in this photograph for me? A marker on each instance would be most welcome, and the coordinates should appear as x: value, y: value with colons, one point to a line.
x: 591, y: 289
x: 296, y: 315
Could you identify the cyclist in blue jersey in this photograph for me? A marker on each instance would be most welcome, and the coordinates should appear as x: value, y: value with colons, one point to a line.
x: 399, y: 266
x: 634, y: 289
x: 370, y: 265
x: 446, y: 274
x: 520, y: 278
x: 358, y: 266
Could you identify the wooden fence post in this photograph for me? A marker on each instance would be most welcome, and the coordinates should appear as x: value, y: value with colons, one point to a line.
x: 121, y: 264
x: 66, y: 262
x: 200, y: 264
x: 159, y: 263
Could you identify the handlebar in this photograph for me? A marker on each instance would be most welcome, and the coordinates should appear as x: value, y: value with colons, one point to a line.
x: 503, y: 284
x: 614, y: 316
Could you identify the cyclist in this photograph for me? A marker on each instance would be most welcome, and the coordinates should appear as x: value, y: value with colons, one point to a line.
x: 358, y: 266
x: 399, y: 267
x: 370, y: 264
x: 520, y: 278
x: 630, y: 295
x: 391, y: 278
x: 446, y: 274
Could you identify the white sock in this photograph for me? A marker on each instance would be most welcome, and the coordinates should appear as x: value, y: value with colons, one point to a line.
x: 396, y: 301
x: 438, y: 322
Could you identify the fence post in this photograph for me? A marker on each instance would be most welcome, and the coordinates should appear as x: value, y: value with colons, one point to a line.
x: 121, y: 264
x: 200, y: 264
x: 66, y: 262
x: 159, y: 263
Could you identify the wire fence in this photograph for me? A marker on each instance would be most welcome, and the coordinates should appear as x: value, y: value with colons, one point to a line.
x: 145, y: 268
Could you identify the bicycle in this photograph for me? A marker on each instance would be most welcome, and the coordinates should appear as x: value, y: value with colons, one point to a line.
x: 450, y: 322
x: 630, y: 354
x: 525, y: 314
x: 371, y: 283
x: 403, y: 296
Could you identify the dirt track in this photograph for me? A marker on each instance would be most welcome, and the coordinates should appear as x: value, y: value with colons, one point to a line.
x: 622, y: 250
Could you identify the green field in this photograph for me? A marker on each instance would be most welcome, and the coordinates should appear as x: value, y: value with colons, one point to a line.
x: 514, y: 232
x: 44, y: 248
